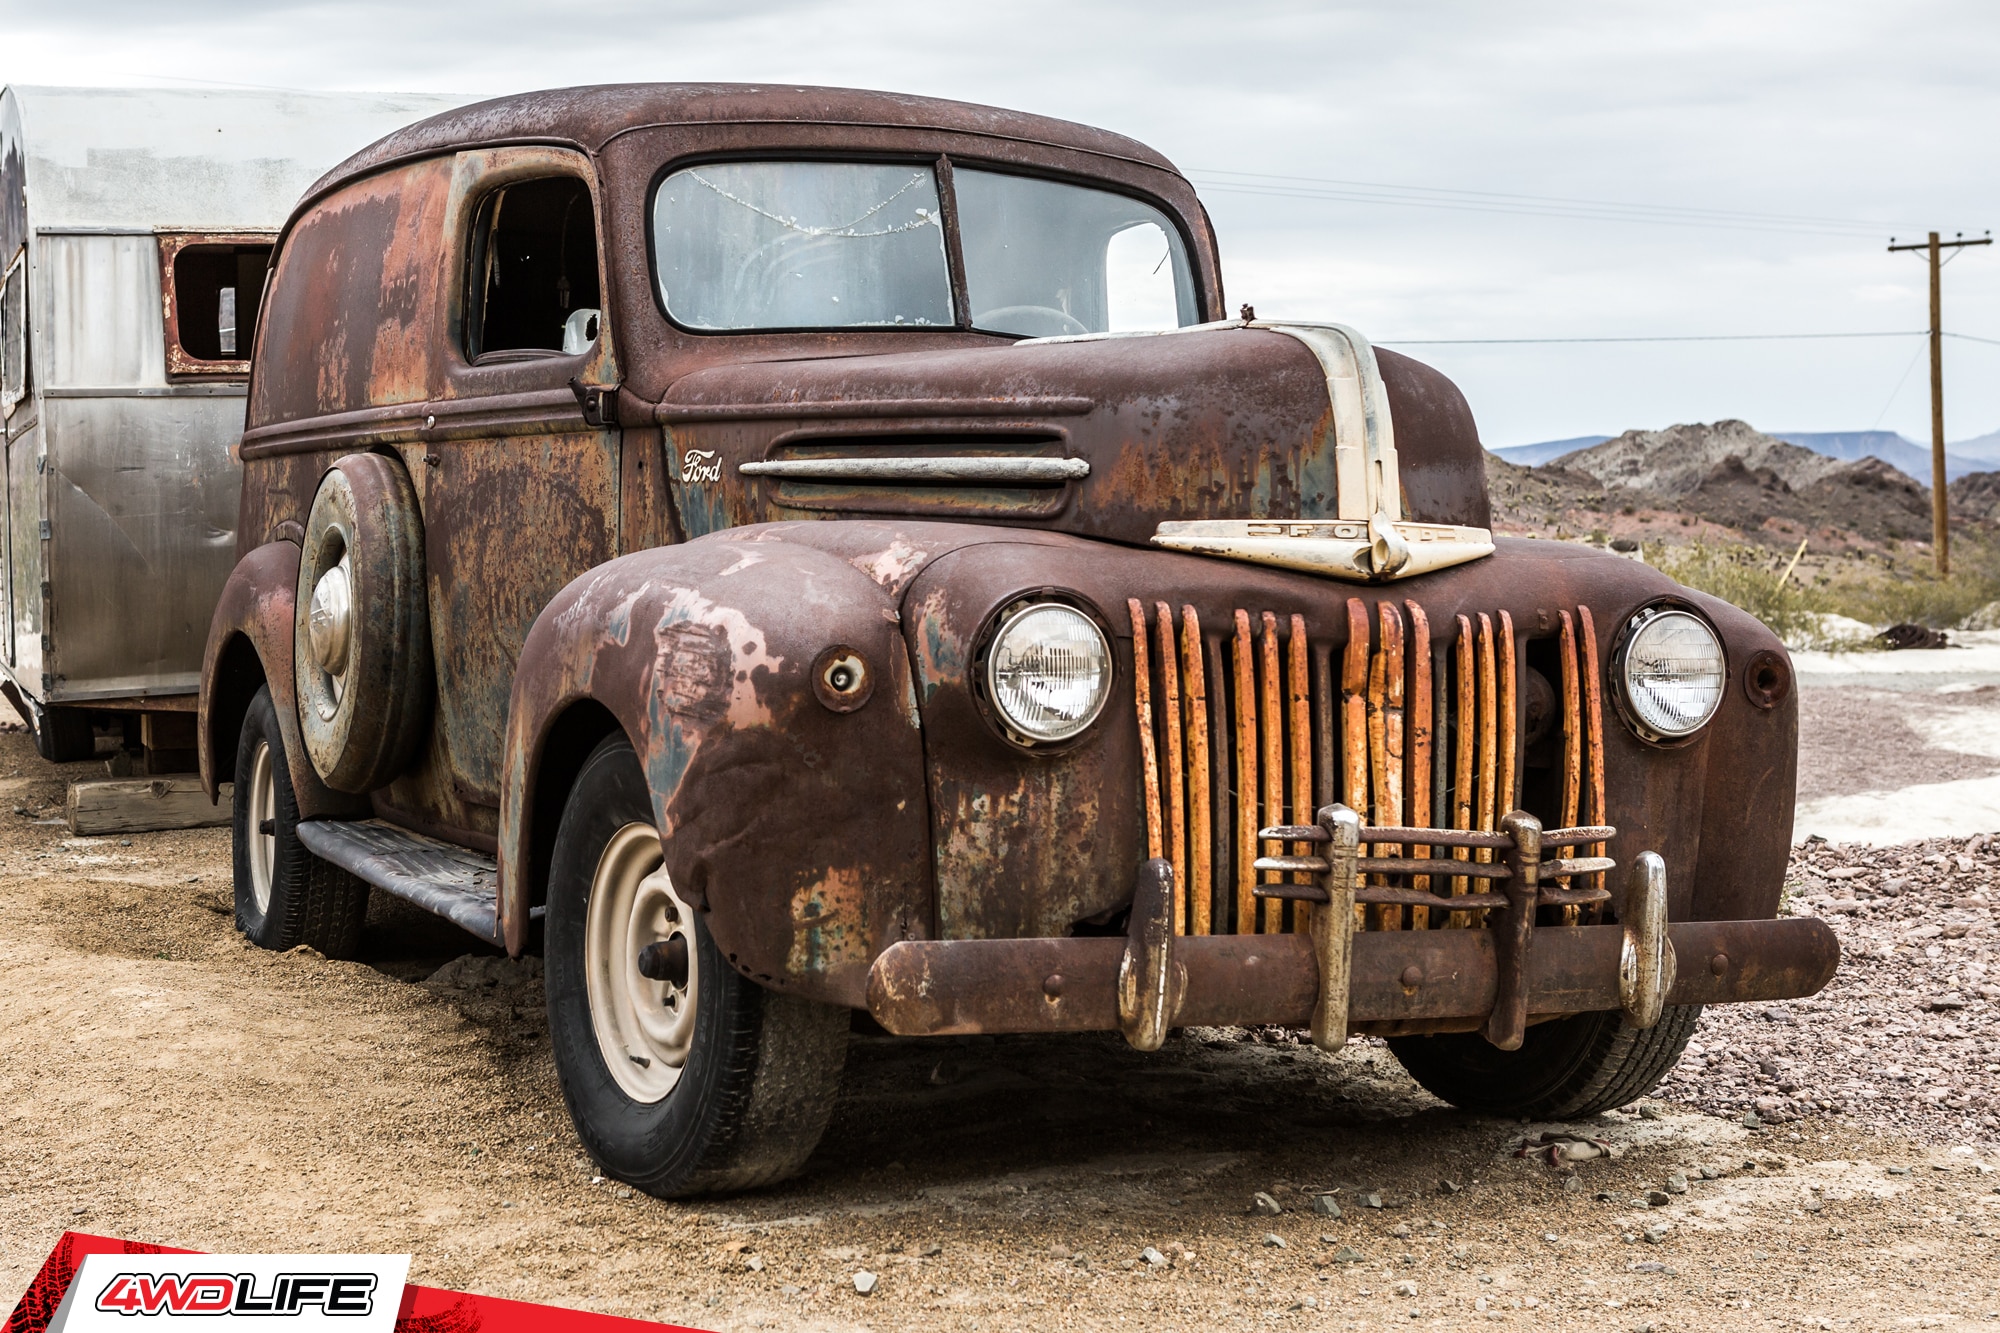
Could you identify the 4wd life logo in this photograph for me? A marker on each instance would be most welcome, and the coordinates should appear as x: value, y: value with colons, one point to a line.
x: 236, y: 1293
x: 240, y: 1293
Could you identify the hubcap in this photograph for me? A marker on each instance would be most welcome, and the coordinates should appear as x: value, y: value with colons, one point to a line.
x: 263, y: 814
x: 640, y: 966
x: 330, y: 624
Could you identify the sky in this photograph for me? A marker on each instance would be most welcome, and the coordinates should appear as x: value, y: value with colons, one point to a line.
x: 1426, y: 170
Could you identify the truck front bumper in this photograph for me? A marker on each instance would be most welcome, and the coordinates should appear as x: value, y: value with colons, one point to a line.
x: 1337, y: 979
x: 1401, y: 981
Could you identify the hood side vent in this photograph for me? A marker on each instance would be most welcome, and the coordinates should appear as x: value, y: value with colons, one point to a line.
x: 1025, y: 474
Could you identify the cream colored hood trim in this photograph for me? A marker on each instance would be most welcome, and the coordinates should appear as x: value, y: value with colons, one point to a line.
x: 1371, y: 552
x: 1370, y: 541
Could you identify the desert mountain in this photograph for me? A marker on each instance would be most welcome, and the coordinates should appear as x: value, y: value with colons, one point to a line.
x: 1676, y: 461
x: 1726, y: 475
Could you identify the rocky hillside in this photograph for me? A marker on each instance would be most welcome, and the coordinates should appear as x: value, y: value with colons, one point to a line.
x: 1727, y: 480
x: 1677, y: 460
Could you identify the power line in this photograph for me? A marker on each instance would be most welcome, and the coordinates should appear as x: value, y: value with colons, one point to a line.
x: 1990, y: 342
x: 1598, y: 210
x: 1652, y: 338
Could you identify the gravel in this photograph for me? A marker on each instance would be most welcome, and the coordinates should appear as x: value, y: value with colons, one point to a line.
x: 1904, y: 1039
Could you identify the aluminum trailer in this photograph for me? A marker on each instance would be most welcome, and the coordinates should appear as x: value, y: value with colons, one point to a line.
x: 135, y: 229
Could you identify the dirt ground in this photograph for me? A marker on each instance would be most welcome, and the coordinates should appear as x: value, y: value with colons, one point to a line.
x: 162, y: 1080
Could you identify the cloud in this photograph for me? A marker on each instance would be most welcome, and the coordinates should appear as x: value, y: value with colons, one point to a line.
x: 1843, y: 110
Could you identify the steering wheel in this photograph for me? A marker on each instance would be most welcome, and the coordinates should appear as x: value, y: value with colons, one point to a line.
x: 1064, y: 321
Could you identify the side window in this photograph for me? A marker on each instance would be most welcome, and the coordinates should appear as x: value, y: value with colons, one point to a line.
x: 14, y: 335
x: 212, y: 287
x: 532, y: 286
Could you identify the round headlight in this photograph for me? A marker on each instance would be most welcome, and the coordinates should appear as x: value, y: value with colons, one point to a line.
x: 1049, y: 671
x: 1674, y: 671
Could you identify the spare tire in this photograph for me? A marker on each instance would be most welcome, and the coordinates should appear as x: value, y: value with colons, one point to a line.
x: 361, y: 656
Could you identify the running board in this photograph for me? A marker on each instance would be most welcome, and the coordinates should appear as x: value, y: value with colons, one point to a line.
x: 458, y: 885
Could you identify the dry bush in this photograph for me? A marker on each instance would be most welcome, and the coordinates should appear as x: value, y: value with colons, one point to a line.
x: 1747, y: 577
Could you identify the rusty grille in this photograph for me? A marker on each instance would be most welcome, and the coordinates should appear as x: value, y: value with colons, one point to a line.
x: 1258, y: 722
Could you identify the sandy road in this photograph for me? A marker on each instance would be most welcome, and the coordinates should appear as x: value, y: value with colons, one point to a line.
x: 160, y: 1079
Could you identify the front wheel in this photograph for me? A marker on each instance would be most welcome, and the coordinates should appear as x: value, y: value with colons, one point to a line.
x: 1566, y: 1068
x: 682, y: 1076
x: 285, y: 896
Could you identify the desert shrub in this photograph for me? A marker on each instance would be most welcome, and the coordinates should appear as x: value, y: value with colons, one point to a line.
x: 1913, y: 592
x: 1886, y: 591
x: 1747, y: 577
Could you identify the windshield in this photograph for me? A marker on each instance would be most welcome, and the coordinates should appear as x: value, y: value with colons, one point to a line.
x: 791, y: 245
x: 1043, y: 258
x: 826, y: 245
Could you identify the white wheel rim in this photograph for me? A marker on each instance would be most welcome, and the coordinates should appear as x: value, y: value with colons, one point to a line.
x: 643, y: 1026
x: 263, y: 810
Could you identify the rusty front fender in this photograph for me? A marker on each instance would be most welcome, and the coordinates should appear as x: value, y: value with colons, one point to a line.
x: 792, y: 816
x: 250, y: 644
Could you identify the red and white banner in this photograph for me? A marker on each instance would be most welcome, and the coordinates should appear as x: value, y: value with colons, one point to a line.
x: 97, y: 1284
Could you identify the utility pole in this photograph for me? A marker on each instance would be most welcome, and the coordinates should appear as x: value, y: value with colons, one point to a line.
x: 1940, y: 527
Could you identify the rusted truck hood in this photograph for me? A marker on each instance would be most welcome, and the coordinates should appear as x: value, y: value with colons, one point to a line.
x: 1105, y: 438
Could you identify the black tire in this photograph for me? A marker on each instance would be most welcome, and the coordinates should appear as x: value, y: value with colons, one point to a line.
x: 311, y: 901
x: 761, y: 1070
x: 64, y: 735
x: 1566, y: 1068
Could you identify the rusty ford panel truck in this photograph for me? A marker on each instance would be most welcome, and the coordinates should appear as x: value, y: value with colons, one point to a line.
x: 784, y: 552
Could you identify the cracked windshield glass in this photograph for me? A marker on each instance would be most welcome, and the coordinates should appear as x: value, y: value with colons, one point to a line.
x: 794, y: 245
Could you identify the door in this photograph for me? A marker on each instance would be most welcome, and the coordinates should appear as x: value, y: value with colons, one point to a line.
x: 522, y: 491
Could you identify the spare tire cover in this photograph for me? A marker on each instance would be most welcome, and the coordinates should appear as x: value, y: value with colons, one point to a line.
x: 362, y: 652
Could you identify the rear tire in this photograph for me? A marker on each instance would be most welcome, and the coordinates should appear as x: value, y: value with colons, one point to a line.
x: 64, y: 735
x: 1566, y: 1068
x: 285, y: 896
x: 721, y: 1085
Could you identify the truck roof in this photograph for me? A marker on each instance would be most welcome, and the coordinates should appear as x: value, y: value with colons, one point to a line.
x: 136, y: 159
x: 591, y: 116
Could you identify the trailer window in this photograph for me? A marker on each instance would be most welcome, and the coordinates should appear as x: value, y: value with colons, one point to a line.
x: 13, y: 338
x: 213, y: 293
x: 532, y: 287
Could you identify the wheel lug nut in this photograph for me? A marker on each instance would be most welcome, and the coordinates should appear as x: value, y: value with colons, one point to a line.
x: 665, y: 960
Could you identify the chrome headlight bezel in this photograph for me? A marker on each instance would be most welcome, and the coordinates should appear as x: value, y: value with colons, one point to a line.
x: 988, y: 688
x: 1644, y: 721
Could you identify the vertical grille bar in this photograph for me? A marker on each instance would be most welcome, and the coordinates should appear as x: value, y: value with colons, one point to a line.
x: 1509, y: 717
x: 1572, y: 741
x: 1593, y: 703
x: 1489, y: 731
x: 1385, y: 736
x: 1194, y: 702
x: 1420, y: 745
x: 1142, y: 697
x: 1468, y: 732
x: 1176, y: 758
x: 1298, y: 720
x: 1354, y: 722
x: 1271, y: 715
x: 1246, y: 779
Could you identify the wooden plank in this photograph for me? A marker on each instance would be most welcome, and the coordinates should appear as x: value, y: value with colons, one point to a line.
x: 143, y: 805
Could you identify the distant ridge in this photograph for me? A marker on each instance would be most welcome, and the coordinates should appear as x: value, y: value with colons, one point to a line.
x: 1913, y: 460
x: 1985, y: 448
x: 1534, y: 455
